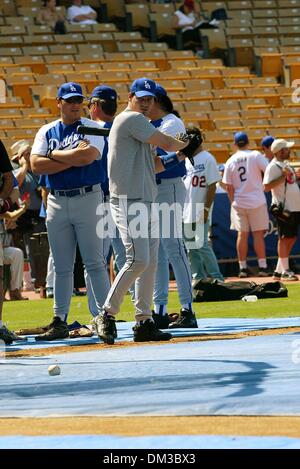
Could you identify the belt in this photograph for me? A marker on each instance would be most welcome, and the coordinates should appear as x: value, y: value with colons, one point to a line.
x: 74, y: 192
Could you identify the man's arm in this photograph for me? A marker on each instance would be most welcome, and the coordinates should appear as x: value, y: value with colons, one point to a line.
x: 43, y: 165
x: 230, y: 192
x: 159, y: 161
x: 210, y: 195
x: 8, y: 184
x: 80, y: 156
x: 275, y: 182
x: 166, y: 142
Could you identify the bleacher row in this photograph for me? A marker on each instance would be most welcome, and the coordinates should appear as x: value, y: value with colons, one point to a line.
x: 219, y: 99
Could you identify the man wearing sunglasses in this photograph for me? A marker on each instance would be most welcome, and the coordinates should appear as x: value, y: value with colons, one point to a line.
x: 74, y: 169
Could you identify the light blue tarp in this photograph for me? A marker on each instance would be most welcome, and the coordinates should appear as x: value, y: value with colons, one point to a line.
x: 153, y: 442
x: 251, y: 376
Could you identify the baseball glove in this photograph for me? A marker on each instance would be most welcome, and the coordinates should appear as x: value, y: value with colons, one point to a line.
x: 194, y: 142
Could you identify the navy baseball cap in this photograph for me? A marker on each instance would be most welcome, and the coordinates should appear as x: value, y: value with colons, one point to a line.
x: 104, y: 92
x: 143, y: 87
x: 160, y: 90
x: 68, y: 90
x: 241, y: 138
x: 267, y: 141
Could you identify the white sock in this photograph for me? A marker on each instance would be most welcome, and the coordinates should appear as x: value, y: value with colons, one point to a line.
x: 1, y: 323
x: 243, y: 264
x: 285, y: 263
x: 188, y: 306
x: 160, y: 309
x: 278, y: 266
x: 262, y: 263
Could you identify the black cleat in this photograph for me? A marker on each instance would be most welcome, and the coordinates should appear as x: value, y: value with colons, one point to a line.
x: 161, y: 321
x: 243, y: 273
x: 106, y: 328
x: 186, y: 319
x: 58, y: 329
x: 148, y: 331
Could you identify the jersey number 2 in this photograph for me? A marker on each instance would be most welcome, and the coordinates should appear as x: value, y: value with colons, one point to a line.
x: 242, y: 171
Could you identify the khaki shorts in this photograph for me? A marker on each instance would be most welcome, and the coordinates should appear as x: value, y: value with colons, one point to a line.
x: 249, y: 219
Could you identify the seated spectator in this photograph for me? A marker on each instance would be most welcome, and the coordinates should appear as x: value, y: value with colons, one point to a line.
x: 188, y: 19
x: 13, y: 256
x: 50, y: 16
x: 82, y: 14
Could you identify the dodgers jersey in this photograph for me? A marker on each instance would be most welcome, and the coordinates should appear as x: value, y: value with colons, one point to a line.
x: 198, y: 177
x: 58, y: 136
x: 171, y: 125
x: 243, y: 171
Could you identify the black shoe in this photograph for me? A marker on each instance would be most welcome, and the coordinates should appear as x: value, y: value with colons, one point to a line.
x: 147, y: 331
x: 263, y: 272
x: 244, y: 273
x: 276, y: 275
x: 58, y: 329
x: 186, y: 319
x: 161, y: 321
x: 106, y: 328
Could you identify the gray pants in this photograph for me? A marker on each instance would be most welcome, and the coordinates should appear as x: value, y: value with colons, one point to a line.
x: 71, y: 220
x: 171, y: 249
x: 141, y: 260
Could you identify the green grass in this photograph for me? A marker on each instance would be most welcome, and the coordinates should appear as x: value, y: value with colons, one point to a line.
x: 19, y: 314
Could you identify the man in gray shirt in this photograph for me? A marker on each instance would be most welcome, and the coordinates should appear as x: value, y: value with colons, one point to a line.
x: 131, y: 169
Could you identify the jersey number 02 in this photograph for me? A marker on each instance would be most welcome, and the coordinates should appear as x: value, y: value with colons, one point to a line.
x: 198, y: 181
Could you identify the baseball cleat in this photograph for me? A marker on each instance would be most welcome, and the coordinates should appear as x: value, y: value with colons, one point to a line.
x: 58, y: 329
x: 186, y: 318
x: 8, y: 336
x: 106, y: 328
x: 148, y: 331
x: 161, y: 321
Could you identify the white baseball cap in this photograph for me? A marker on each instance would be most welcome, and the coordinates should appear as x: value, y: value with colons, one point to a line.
x: 279, y: 144
x: 18, y: 149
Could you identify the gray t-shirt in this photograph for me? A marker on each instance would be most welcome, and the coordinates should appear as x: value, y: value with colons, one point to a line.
x: 131, y: 169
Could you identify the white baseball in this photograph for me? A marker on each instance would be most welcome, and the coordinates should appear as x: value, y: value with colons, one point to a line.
x: 54, y: 370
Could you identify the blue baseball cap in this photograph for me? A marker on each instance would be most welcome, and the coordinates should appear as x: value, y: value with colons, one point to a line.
x: 104, y: 92
x: 267, y: 141
x: 143, y: 87
x: 241, y: 138
x: 160, y: 90
x: 68, y: 90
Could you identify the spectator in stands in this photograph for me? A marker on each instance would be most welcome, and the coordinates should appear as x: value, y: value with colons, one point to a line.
x: 200, y: 183
x: 243, y: 178
x: 48, y: 15
x: 266, y: 146
x: 188, y: 19
x: 281, y: 179
x: 30, y: 222
x: 81, y: 14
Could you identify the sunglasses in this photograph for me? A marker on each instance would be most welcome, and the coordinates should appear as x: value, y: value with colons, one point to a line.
x: 74, y: 100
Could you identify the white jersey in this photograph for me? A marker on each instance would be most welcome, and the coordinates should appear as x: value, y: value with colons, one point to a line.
x: 74, y: 11
x: 289, y: 193
x: 204, y: 173
x: 171, y: 125
x: 185, y: 21
x: 243, y: 171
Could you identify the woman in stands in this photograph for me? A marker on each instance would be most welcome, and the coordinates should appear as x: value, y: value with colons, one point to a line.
x: 50, y: 16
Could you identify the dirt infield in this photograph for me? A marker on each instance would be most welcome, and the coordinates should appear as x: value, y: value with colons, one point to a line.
x: 37, y: 352
x: 142, y: 426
